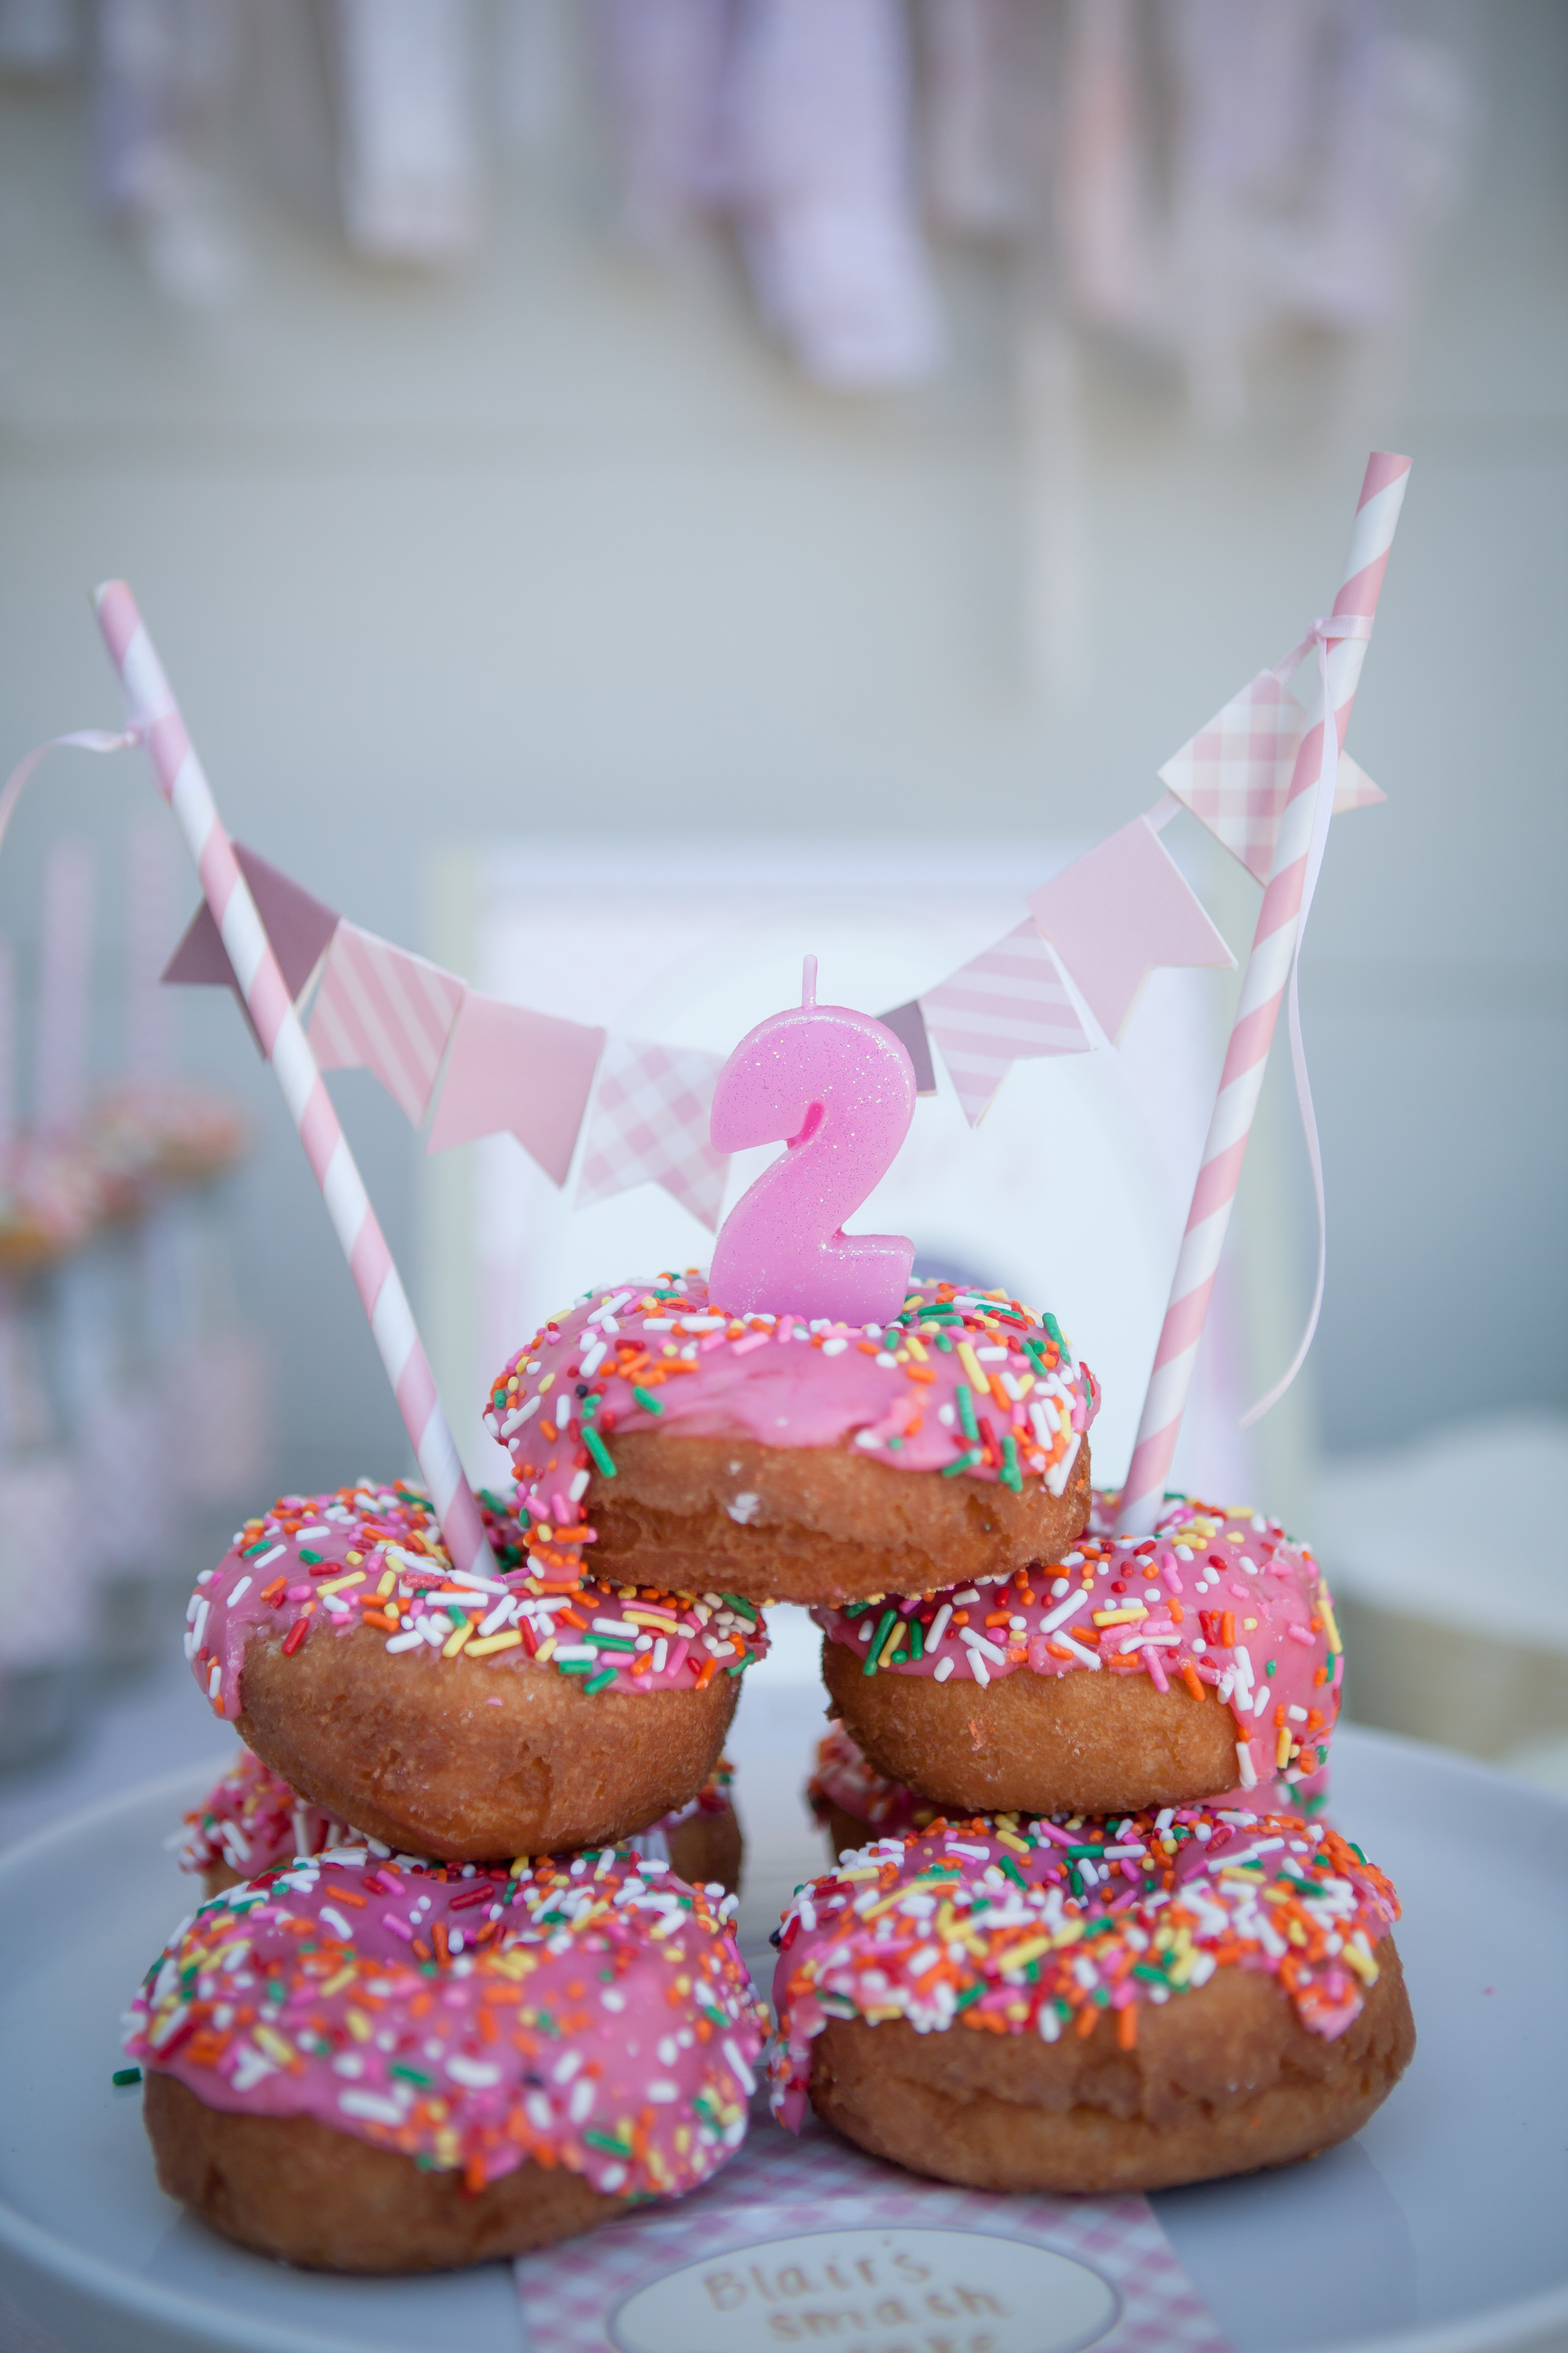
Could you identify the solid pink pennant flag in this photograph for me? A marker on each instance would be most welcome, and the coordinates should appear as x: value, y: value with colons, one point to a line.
x: 1235, y: 773
x: 649, y: 1125
x: 298, y: 926
x: 379, y: 1008
x: 1117, y: 911
x: 1006, y: 1004
x: 512, y: 1070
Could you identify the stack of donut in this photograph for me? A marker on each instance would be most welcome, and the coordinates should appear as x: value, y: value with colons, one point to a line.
x: 464, y: 1981
x: 1084, y: 1932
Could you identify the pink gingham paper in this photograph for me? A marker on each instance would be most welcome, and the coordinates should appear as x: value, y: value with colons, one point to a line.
x: 575, y: 2296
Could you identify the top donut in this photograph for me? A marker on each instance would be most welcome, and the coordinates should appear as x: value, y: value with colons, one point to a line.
x: 782, y: 1460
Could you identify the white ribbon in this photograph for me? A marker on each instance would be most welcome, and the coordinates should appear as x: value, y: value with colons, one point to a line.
x: 85, y: 739
x: 1325, y: 630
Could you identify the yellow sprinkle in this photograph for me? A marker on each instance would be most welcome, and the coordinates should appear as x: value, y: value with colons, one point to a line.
x: 494, y: 1642
x: 1283, y: 1748
x: 1361, y: 1961
x: 282, y: 2053
x: 1118, y: 1617
x: 388, y: 1580
x: 971, y: 1363
x: 457, y: 1639
x: 336, y: 1584
x: 896, y: 1633
x: 919, y: 1353
x: 1018, y: 1957
x: 343, y: 1978
x: 1005, y: 1838
x: 546, y: 1650
x: 1326, y: 1612
x: 547, y: 1384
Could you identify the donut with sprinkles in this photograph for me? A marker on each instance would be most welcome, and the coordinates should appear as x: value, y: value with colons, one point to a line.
x: 1084, y: 2005
x: 854, y: 1803
x: 456, y: 1715
x: 364, y: 2064
x: 1202, y: 1659
x: 780, y: 1459
x: 251, y: 1821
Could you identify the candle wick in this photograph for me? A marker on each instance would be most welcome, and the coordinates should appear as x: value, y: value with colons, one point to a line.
x: 808, y: 981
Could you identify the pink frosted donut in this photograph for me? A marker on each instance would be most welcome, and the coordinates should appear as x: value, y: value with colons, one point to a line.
x: 1093, y: 2005
x: 782, y: 1460
x: 1202, y: 1658
x: 367, y: 2065
x: 252, y: 1821
x: 855, y: 1804
x: 457, y: 1715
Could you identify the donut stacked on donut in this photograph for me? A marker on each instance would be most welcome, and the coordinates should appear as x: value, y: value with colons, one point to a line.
x: 251, y: 1821
x: 1198, y: 1661
x: 1093, y: 2006
x: 470, y: 1717
x: 854, y: 1803
x: 367, y: 2063
x: 776, y: 1458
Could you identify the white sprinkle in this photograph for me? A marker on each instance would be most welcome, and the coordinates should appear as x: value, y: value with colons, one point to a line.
x: 594, y: 1358
x: 335, y: 1921
x: 942, y: 1669
x: 979, y: 1670
x: 973, y: 1641
x: 241, y: 1590
x: 834, y: 1347
x: 478, y: 2074
x: 1065, y: 1609
x: 266, y: 1556
x: 660, y: 1654
x: 939, y: 1626
x: 371, y: 2104
x: 523, y: 1413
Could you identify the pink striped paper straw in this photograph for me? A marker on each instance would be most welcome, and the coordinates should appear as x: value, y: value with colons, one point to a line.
x: 151, y: 708
x: 1263, y: 990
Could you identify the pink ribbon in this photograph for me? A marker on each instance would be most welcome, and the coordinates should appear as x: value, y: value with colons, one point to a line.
x: 1324, y: 631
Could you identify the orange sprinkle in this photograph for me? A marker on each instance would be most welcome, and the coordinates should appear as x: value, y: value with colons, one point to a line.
x: 1127, y: 2027
x: 1192, y: 1678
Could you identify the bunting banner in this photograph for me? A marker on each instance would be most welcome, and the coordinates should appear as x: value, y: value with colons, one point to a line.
x: 648, y: 1123
x: 380, y: 1008
x: 1006, y: 1004
x: 908, y: 1024
x: 1235, y: 773
x: 299, y: 926
x: 513, y: 1072
x: 1116, y: 912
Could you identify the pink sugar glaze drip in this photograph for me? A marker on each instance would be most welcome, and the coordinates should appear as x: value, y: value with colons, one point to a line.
x: 844, y: 1779
x: 585, y: 2060
x: 276, y: 1573
x: 1309, y: 1912
x: 252, y: 1821
x: 1288, y: 1658
x: 784, y: 1383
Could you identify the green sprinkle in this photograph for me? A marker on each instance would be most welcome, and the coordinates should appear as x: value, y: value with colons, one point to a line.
x: 604, y: 2141
x: 596, y: 1448
x: 965, y: 1463
x: 411, y: 2075
x: 613, y: 1642
x: 1011, y: 1475
x: 965, y: 1999
x: 917, y: 1638
x: 1037, y: 1356
x: 646, y: 1399
x: 598, y: 1681
x: 746, y: 1609
x: 313, y: 1558
x: 944, y: 1342
x: 1074, y: 1852
x: 1270, y: 1666
x: 874, y: 1651
x: 1055, y: 1329
x: 576, y: 1666
x: 122, y: 2076
x: 262, y: 1544
x: 966, y: 1412
x: 1150, y: 1976
x: 1012, y: 1870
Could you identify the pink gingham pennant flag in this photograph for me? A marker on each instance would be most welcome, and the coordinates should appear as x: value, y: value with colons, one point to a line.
x: 1116, y: 912
x: 1235, y: 773
x: 1006, y: 1004
x: 807, y: 2241
x: 379, y: 1008
x: 648, y: 1125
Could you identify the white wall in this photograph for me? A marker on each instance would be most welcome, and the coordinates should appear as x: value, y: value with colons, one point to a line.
x: 558, y: 545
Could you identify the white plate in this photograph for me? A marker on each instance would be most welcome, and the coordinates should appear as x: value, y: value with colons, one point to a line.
x: 1442, y: 2229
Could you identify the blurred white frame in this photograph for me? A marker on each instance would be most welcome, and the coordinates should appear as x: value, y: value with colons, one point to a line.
x: 1072, y: 1191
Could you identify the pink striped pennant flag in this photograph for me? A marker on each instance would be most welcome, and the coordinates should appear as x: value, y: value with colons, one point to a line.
x: 648, y: 1125
x: 380, y: 1010
x: 1235, y: 773
x: 1119, y: 911
x: 517, y: 1072
x: 1005, y: 1006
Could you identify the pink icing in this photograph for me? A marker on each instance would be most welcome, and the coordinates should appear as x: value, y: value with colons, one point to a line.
x: 319, y: 1563
x: 1218, y: 1602
x: 1023, y: 1927
x: 252, y: 1821
x: 960, y: 1382
x: 468, y: 2018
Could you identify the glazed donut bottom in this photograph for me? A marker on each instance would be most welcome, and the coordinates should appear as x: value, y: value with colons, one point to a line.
x: 289, y: 2186
x: 1076, y: 1743
x: 467, y: 1759
x: 1224, y: 2080
x: 819, y: 1523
